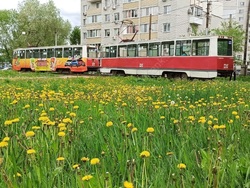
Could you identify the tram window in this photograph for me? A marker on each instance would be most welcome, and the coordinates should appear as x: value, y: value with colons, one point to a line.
x: 67, y: 52
x: 183, y: 48
x: 77, y: 52
x: 168, y: 48
x: 142, y: 50
x: 36, y: 53
x: 21, y: 54
x: 43, y: 53
x: 113, y: 51
x: 106, y: 50
x: 29, y: 53
x: 50, y: 52
x: 225, y: 47
x: 122, y: 50
x: 58, y: 52
x: 154, y: 49
x: 200, y: 47
x: 132, y: 50
x: 92, y: 52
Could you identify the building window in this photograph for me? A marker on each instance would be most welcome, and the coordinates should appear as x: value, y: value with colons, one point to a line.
x: 241, y: 11
x: 107, y: 17
x: 94, y: 19
x: 93, y: 33
x: 116, y: 31
x: 241, y: 19
x: 84, y: 8
x: 128, y: 1
x: 166, y: 27
x: 130, y: 13
x: 167, y: 9
x: 144, y: 28
x: 84, y: 35
x: 242, y: 3
x: 149, y: 10
x: 84, y: 22
x: 116, y: 16
x: 131, y: 29
x: 107, y: 32
x: 97, y: 5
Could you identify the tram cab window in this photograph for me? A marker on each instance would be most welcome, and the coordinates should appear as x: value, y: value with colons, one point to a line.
x: 36, y: 53
x: 200, y: 47
x: 43, y: 53
x: 113, y: 51
x: 168, y: 48
x: 58, y: 52
x: 224, y: 47
x: 154, y: 49
x: 50, y: 52
x: 132, y: 50
x: 143, y: 50
x: 122, y: 50
x: 183, y: 48
x: 68, y: 52
x: 77, y: 52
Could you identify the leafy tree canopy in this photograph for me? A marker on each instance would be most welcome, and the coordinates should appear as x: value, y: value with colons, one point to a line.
x: 75, y: 36
x: 32, y: 24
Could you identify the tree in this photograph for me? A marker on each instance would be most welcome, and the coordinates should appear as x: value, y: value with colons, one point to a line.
x: 42, y: 24
x: 232, y: 29
x: 32, y: 24
x: 75, y: 36
x: 8, y: 27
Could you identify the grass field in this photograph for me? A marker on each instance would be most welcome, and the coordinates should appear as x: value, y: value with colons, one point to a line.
x: 111, y: 132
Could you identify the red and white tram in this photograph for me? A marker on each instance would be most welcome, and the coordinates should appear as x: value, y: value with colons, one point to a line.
x: 194, y: 57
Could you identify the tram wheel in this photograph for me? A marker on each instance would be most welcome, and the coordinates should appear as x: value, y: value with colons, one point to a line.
x: 184, y: 76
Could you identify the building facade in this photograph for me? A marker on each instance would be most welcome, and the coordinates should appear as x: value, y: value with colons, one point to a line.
x: 114, y: 21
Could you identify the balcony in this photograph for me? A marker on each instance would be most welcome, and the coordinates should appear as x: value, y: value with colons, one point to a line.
x: 195, y: 20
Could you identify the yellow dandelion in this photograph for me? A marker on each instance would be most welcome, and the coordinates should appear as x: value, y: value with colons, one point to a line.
x: 134, y: 129
x: 36, y: 127
x: 29, y: 134
x: 87, y: 178
x: 51, y: 109
x: 7, y: 122
x: 234, y: 112
x: 127, y: 184
x: 27, y: 106
x: 84, y: 159
x: 6, y: 139
x: 162, y: 117
x: 181, y: 166
x: 41, y: 105
x: 72, y: 114
x: 76, y: 166
x: 75, y: 107
x: 129, y: 125
x: 94, y: 161
x: 15, y: 120
x: 31, y: 151
x: 3, y: 144
x: 61, y: 134
x: 60, y: 159
x: 63, y: 129
x: 150, y: 130
x: 144, y: 154
x: 109, y: 124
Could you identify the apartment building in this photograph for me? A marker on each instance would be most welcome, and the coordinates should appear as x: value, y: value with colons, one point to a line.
x: 114, y: 21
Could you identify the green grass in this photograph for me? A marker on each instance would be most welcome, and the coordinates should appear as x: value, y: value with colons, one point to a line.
x: 202, y: 124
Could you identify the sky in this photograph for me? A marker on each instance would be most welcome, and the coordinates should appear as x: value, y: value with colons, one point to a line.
x: 69, y: 9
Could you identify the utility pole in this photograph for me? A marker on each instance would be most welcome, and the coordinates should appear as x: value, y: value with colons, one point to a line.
x: 208, y: 16
x: 246, y: 40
